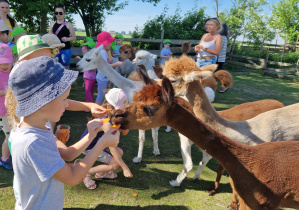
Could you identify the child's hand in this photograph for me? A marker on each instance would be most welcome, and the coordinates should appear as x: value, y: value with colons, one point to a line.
x: 110, y: 138
x: 94, y: 126
x: 127, y: 173
x: 119, y: 63
x: 97, y: 110
x: 78, y: 57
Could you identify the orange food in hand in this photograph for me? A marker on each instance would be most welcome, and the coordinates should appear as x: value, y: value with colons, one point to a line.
x: 107, y: 110
x: 63, y: 134
x: 106, y: 120
x: 125, y: 132
x: 116, y: 126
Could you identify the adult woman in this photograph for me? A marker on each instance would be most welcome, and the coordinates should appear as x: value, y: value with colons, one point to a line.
x: 6, y: 17
x: 62, y: 29
x: 209, y: 46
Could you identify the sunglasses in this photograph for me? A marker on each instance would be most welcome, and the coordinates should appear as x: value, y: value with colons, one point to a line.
x: 58, y: 13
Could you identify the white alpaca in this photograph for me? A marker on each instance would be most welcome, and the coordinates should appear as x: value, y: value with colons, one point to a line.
x: 93, y: 60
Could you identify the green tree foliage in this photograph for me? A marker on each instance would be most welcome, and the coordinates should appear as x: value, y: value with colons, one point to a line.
x: 285, y: 17
x: 189, y: 26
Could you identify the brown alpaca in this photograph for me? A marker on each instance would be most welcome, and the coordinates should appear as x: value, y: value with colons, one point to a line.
x: 126, y: 51
x: 264, y: 175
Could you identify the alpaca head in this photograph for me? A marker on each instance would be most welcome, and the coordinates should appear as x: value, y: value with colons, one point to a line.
x: 184, y: 70
x: 145, y: 58
x: 90, y: 59
x: 148, y: 107
x: 126, y: 51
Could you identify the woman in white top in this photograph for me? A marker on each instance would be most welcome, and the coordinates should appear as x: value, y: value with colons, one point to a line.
x: 209, y: 46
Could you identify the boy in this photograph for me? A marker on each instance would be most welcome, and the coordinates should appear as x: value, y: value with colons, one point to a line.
x: 41, y: 87
x: 119, y: 42
x: 165, y: 52
x: 4, y: 31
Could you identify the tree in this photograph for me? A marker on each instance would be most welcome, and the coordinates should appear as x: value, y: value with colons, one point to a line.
x: 285, y: 17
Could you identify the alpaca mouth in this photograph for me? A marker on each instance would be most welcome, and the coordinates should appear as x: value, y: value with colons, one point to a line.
x: 120, y: 118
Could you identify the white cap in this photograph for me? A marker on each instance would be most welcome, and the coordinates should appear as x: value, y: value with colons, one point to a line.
x: 116, y: 97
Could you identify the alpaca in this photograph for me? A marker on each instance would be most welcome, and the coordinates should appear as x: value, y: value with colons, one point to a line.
x: 264, y: 175
x: 236, y: 130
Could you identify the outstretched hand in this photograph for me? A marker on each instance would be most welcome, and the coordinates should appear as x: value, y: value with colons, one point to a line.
x: 94, y: 127
x: 97, y: 110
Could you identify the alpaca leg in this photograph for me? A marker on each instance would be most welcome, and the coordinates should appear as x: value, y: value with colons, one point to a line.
x: 140, y: 149
x: 212, y: 190
x: 234, y: 205
x: 155, y: 141
x: 205, y: 159
x: 187, y: 160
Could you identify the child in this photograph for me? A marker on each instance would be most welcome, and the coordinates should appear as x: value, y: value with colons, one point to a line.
x: 119, y: 42
x: 41, y: 87
x: 105, y: 39
x: 88, y: 76
x: 6, y: 61
x: 165, y: 52
x: 110, y: 156
x: 4, y: 31
x: 16, y: 34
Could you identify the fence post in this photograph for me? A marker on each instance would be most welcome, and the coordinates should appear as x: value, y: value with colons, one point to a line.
x: 262, y: 45
x: 284, y: 46
x: 162, y: 37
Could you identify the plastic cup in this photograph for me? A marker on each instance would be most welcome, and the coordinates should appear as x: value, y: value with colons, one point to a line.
x: 63, y: 133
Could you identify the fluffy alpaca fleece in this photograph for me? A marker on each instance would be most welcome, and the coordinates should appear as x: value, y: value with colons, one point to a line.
x: 265, y: 175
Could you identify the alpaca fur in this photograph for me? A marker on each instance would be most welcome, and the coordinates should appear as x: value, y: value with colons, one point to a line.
x: 264, y: 175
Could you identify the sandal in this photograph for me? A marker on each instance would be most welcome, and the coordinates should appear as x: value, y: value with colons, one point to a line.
x: 223, y: 90
x: 89, y: 183
x: 109, y: 175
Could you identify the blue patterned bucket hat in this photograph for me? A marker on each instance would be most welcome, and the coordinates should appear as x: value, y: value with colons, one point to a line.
x: 37, y: 82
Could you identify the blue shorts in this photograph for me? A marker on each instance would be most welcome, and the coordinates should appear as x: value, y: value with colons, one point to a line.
x: 205, y: 62
x: 64, y: 57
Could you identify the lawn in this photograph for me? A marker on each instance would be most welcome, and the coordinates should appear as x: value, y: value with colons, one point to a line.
x: 152, y: 175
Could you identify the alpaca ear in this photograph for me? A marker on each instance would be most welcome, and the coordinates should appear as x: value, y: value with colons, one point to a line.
x: 145, y: 77
x: 194, y: 75
x: 167, y: 91
x: 154, y: 56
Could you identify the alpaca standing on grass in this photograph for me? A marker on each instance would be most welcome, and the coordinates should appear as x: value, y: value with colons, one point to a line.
x: 265, y: 175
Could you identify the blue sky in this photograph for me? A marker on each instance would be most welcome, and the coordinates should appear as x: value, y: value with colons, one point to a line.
x: 137, y: 12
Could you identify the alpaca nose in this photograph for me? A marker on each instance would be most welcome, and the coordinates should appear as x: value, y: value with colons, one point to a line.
x: 120, y: 113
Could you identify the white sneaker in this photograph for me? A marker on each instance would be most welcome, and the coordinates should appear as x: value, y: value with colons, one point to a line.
x: 168, y: 129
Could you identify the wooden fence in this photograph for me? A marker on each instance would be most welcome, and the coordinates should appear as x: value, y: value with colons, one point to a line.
x: 255, y: 63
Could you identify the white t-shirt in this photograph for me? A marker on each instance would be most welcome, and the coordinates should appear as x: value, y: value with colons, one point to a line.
x: 100, y: 75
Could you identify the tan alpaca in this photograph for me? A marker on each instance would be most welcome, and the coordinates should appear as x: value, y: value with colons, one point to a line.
x: 266, y: 175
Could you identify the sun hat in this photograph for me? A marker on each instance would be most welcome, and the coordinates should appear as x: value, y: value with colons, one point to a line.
x: 5, y: 54
x: 37, y: 82
x: 17, y: 31
x: 28, y: 44
x: 119, y: 36
x: 89, y: 42
x: 116, y: 97
x: 167, y: 41
x: 3, y: 26
x: 52, y: 40
x: 104, y: 38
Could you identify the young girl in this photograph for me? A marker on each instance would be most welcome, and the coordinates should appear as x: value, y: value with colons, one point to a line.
x: 111, y: 157
x: 105, y: 39
x: 88, y: 76
x: 41, y: 87
x: 6, y: 61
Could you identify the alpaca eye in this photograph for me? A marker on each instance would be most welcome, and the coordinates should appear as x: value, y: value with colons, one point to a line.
x: 88, y: 60
x: 149, y: 111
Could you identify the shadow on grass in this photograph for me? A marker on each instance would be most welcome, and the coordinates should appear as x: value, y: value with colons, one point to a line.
x: 113, y: 207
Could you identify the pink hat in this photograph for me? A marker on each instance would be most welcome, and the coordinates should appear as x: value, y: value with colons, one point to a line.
x: 5, y: 54
x: 104, y: 38
x: 116, y: 97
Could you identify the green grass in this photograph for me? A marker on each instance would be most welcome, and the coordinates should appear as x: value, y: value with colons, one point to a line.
x: 152, y: 175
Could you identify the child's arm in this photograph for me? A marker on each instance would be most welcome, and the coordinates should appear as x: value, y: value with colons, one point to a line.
x: 119, y: 160
x: 96, y: 110
x: 118, y: 63
x: 73, y: 175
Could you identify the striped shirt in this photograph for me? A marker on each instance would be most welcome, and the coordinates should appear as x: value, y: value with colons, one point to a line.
x: 222, y: 54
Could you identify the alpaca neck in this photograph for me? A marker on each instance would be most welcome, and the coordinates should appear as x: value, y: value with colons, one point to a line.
x: 128, y: 86
x: 150, y: 70
x: 204, y: 136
